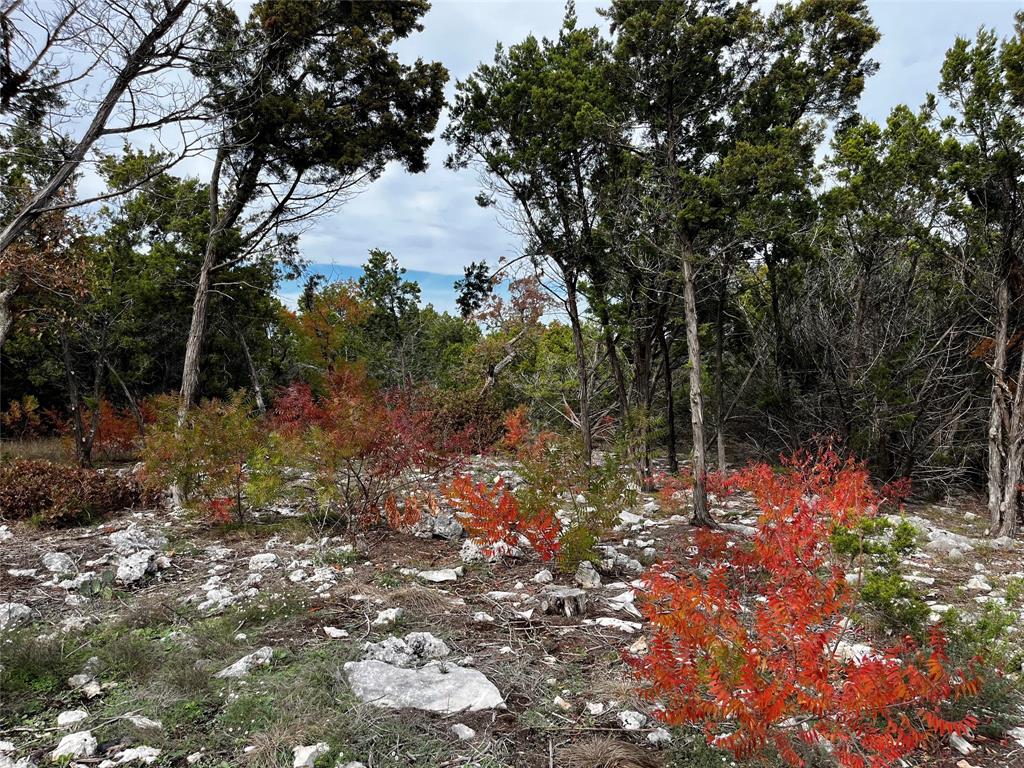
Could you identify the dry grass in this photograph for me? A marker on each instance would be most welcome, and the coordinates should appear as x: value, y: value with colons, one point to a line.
x: 43, y: 448
x: 606, y: 752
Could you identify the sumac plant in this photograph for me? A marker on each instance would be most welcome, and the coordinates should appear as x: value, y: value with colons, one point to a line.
x: 754, y: 644
x: 367, y: 454
x: 494, y: 516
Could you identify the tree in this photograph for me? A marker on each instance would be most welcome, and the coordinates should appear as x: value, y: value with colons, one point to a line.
x: 310, y: 102
x: 706, y: 79
x: 535, y: 123
x: 983, y: 81
x: 47, y: 51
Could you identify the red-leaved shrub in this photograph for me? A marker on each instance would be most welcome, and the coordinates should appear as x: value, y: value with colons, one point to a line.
x: 493, y: 516
x: 753, y: 645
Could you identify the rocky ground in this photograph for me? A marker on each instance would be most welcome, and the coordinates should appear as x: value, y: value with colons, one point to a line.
x: 150, y: 639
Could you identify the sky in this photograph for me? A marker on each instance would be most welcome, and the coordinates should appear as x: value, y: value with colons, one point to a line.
x: 430, y: 220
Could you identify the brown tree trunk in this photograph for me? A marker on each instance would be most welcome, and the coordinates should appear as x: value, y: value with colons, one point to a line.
x: 1008, y: 506
x: 6, y: 313
x: 720, y: 372
x: 257, y: 390
x: 701, y: 514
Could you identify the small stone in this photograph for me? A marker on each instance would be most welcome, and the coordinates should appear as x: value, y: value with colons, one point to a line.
x: 13, y: 615
x: 74, y: 746
x: 59, y: 563
x: 246, y: 664
x: 144, y: 755
x: 960, y: 744
x: 463, y: 732
x: 264, y: 561
x: 587, y: 576
x: 659, y: 737
x: 306, y: 757
x: 562, y: 704
x: 144, y: 722
x: 543, y: 577
x: 630, y: 720
x: 439, y: 576
x: 482, y: 617
x: 978, y: 584
x: 595, y: 708
x: 388, y: 616
x: 70, y: 717
x: 334, y: 633
x: 194, y: 758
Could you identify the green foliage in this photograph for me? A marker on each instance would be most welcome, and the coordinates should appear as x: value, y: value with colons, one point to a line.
x: 990, y: 643
x: 879, y: 546
x: 54, y: 494
x: 221, y: 458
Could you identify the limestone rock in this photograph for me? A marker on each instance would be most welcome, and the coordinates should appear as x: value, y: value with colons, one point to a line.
x: 306, y: 757
x: 246, y: 664
x: 436, y: 687
x: 587, y: 576
x: 74, y: 746
x: 13, y: 615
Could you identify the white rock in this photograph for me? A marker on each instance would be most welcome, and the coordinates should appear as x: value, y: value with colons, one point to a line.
x: 133, y: 538
x: 630, y: 518
x: 144, y: 755
x: 59, y: 563
x: 543, y: 577
x: 334, y: 633
x: 87, y: 684
x: 264, y: 561
x: 1017, y: 734
x: 978, y: 584
x: 439, y: 576
x: 75, y: 745
x: 436, y: 687
x: 194, y: 758
x: 586, y: 575
x: 960, y: 744
x: 305, y: 757
x: 6, y: 746
x: 629, y: 627
x: 463, y: 732
x: 246, y: 664
x: 13, y: 615
x: 144, y: 722
x: 69, y: 717
x: 405, y: 652
x: 855, y: 652
x: 594, y: 708
x: 134, y: 567
x: 482, y: 617
x: 659, y: 737
x: 631, y: 720
x: 388, y: 616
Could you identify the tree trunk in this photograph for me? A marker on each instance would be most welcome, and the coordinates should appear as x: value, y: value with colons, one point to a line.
x: 257, y: 391
x: 6, y: 313
x: 1008, y: 506
x: 581, y: 364
x: 701, y: 514
x: 133, y: 66
x: 720, y: 371
x: 670, y: 415
x: 997, y: 408
x: 132, y: 404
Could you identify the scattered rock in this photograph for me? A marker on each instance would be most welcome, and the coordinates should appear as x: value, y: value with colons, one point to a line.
x: 59, y: 564
x: 463, y: 732
x: 246, y: 664
x: 659, y: 737
x: 595, y: 708
x: 629, y: 627
x: 133, y: 538
x: 404, y: 652
x: 979, y: 584
x: 74, y: 746
x: 543, y: 577
x: 88, y: 685
x: 587, y: 576
x: 960, y: 744
x: 388, y: 616
x: 436, y: 687
x: 265, y: 561
x: 306, y: 757
x: 70, y: 717
x: 482, y: 617
x: 13, y: 615
x: 134, y: 567
x: 631, y: 720
x: 439, y: 576
x: 144, y: 755
x: 144, y: 722
x: 334, y: 633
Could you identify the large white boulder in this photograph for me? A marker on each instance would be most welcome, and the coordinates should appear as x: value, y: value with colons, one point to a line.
x: 436, y: 687
x: 74, y: 746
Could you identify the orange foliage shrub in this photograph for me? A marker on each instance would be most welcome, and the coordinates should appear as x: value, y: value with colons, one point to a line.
x: 493, y: 516
x: 751, y: 645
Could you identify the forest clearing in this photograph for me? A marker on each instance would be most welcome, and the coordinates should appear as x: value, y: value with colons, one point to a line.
x: 714, y: 456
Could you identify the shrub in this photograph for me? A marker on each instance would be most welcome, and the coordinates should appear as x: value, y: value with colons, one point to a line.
x: 493, y: 516
x: 753, y: 645
x: 879, y: 546
x: 24, y: 419
x: 991, y: 642
x: 366, y: 451
x: 221, y: 459
x: 54, y: 494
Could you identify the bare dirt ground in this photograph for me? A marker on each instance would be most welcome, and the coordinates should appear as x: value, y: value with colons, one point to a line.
x: 150, y: 647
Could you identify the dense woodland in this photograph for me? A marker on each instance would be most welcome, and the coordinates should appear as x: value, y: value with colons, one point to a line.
x: 722, y: 263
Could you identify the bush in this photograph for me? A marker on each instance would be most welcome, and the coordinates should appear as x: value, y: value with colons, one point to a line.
x: 879, y: 546
x: 221, y: 459
x: 55, y: 494
x: 755, y: 647
x: 369, y: 454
